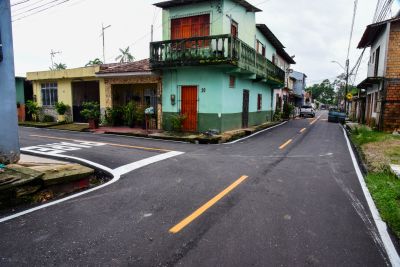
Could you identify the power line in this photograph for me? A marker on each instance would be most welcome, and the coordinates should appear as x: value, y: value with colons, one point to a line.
x: 26, y: 6
x: 352, y: 28
x: 37, y: 7
x: 42, y: 10
x: 24, y: 1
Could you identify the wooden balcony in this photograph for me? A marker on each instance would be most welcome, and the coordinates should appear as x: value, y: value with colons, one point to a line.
x: 214, y: 50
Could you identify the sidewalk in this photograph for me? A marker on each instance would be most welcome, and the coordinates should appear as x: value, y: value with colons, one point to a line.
x: 38, y: 179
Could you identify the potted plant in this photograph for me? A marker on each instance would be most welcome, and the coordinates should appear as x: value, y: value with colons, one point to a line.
x: 33, y: 109
x: 61, y: 109
x: 91, y: 112
x: 130, y: 114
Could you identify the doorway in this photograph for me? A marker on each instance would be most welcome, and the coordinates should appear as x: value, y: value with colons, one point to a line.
x: 245, y: 111
x: 189, y: 108
x: 83, y: 92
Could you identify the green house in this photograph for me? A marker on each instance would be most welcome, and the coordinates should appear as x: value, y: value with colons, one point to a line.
x: 219, y: 67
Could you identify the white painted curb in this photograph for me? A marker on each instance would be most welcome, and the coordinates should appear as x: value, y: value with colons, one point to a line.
x: 254, y: 134
x: 116, y: 173
x: 380, y: 224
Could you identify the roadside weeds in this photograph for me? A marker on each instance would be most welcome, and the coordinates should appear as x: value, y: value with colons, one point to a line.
x: 378, y: 150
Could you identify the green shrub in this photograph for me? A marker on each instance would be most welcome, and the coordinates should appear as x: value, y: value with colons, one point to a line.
x: 61, y: 108
x: 177, y: 122
x: 287, y: 110
x: 277, y: 115
x: 91, y: 110
x: 130, y: 112
x: 33, y: 109
x: 140, y: 116
x: 47, y: 118
x: 114, y: 116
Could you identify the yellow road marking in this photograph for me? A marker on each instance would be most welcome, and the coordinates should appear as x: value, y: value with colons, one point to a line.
x: 285, y: 144
x: 314, y: 121
x: 302, y: 130
x: 110, y: 144
x: 206, y: 206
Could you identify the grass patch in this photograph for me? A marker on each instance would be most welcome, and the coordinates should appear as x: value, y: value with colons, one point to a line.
x: 364, y: 135
x: 37, y: 124
x: 385, y: 190
x: 71, y: 127
x: 379, y: 150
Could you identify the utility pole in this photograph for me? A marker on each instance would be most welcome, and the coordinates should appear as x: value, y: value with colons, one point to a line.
x: 152, y: 32
x: 52, y: 56
x: 347, y: 85
x: 9, y: 139
x: 102, y: 34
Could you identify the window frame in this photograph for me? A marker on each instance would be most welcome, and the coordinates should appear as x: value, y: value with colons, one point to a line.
x: 49, y: 94
x: 232, y: 81
x: 259, y: 102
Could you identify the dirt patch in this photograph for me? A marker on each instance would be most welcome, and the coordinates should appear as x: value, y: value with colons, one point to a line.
x: 378, y: 155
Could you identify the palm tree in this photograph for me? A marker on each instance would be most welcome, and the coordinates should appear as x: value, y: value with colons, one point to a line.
x: 125, y: 56
x: 58, y: 66
x: 94, y: 62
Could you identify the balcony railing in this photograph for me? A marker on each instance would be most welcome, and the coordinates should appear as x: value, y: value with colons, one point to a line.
x: 214, y: 50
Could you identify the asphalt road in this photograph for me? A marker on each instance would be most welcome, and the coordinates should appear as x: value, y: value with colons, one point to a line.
x: 298, y: 204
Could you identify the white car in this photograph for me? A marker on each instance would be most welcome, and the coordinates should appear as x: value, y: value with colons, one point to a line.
x: 307, y: 111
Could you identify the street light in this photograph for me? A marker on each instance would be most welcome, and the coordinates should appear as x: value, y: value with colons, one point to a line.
x: 346, y: 70
x: 334, y: 61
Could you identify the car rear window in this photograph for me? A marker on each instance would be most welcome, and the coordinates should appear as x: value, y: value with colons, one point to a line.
x: 306, y: 107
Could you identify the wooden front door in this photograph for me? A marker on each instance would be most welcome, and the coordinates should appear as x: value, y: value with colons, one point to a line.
x: 245, y: 112
x: 189, y: 108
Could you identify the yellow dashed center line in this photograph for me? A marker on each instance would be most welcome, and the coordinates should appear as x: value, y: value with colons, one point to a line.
x: 303, y: 130
x: 285, y: 144
x: 206, y: 206
x: 110, y: 144
x: 314, y: 121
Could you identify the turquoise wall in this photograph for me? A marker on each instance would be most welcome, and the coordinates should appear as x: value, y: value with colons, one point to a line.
x: 219, y: 106
x: 19, y: 84
x: 246, y: 22
x: 269, y: 49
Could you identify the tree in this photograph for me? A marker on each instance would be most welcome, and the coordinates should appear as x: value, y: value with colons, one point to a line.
x: 58, y: 66
x: 94, y: 62
x: 323, y: 92
x: 125, y: 56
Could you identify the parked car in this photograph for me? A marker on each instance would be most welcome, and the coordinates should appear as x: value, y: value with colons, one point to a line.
x: 336, y: 116
x: 307, y: 111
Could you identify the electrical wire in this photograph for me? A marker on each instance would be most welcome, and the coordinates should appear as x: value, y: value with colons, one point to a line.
x: 42, y: 10
x: 37, y: 7
x: 26, y: 6
x: 352, y: 28
x: 19, y: 3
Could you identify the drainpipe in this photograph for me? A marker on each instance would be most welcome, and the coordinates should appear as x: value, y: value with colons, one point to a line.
x: 9, y: 142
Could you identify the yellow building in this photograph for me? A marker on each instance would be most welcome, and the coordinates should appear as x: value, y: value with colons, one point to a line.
x: 110, y: 85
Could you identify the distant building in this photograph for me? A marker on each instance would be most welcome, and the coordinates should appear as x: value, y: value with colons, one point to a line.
x: 24, y: 93
x: 299, y: 86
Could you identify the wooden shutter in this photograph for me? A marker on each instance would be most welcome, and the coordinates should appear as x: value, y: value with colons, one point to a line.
x: 195, y: 26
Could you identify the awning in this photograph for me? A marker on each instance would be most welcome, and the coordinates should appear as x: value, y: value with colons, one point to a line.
x: 369, y: 82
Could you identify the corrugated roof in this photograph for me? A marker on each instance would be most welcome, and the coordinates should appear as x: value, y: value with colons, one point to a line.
x: 280, y: 48
x: 372, y: 32
x: 136, y: 66
x: 173, y: 3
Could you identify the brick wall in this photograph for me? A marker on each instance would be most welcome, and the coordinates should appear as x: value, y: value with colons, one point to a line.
x: 391, y: 113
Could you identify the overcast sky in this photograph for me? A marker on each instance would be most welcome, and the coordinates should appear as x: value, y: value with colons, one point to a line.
x: 316, y: 31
